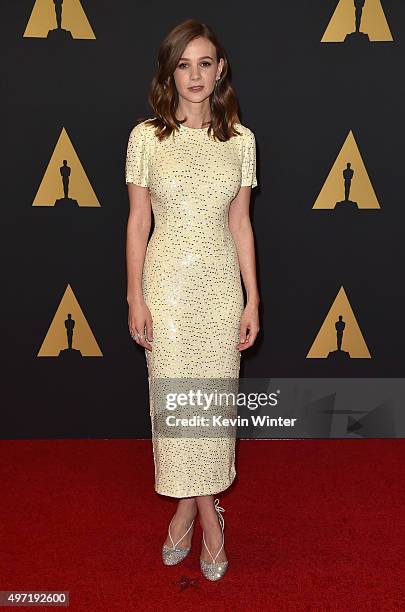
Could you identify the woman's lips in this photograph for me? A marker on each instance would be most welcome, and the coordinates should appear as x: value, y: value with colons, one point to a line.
x: 197, y: 88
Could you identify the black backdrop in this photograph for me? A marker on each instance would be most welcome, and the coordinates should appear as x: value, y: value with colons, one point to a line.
x: 301, y: 97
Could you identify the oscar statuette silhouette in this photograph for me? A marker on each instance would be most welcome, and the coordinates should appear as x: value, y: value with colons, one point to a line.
x: 59, y: 33
x: 357, y: 36
x: 65, y: 172
x: 339, y: 355
x: 70, y: 352
x: 347, y: 204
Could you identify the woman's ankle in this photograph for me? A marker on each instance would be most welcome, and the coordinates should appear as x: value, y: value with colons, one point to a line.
x: 186, y: 510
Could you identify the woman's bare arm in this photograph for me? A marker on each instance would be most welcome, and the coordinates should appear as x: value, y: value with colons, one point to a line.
x: 241, y: 230
x: 138, y: 228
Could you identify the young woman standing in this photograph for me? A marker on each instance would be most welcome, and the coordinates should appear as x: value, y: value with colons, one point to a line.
x: 192, y: 164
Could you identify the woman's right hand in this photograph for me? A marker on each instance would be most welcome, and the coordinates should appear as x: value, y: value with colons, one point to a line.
x: 139, y: 318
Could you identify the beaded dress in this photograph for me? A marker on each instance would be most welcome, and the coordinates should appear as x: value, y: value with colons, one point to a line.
x: 191, y: 283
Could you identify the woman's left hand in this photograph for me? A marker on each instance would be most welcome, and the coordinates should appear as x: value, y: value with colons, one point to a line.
x: 249, y: 327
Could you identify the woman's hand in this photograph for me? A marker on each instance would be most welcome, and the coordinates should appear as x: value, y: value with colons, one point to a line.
x: 139, y: 317
x: 249, y: 327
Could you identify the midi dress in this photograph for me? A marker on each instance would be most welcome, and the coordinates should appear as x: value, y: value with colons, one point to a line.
x: 191, y: 284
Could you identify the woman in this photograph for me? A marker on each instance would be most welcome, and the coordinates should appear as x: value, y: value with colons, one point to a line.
x: 194, y: 165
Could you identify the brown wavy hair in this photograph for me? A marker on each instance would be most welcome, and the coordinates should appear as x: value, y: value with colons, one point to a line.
x: 163, y: 96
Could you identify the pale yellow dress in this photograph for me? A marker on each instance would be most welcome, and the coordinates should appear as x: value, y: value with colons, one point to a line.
x: 191, y: 283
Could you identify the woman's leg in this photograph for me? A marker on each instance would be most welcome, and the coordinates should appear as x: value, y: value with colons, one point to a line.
x: 185, y: 513
x: 212, y: 530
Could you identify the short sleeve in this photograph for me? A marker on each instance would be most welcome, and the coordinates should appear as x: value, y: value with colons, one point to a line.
x: 249, y: 160
x: 137, y: 160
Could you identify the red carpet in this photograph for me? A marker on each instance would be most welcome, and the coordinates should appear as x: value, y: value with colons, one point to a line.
x: 311, y: 525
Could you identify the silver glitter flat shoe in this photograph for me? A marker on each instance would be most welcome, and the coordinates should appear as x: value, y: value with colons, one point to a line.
x: 172, y: 555
x: 215, y: 571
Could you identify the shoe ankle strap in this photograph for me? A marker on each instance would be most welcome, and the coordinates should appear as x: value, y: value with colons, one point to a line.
x: 218, y: 510
x: 170, y: 535
x: 209, y: 552
x: 221, y: 520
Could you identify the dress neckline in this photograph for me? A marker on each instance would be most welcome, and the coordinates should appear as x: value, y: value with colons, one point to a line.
x: 193, y: 129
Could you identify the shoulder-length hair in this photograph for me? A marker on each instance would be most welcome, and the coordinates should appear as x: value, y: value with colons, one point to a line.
x: 163, y: 96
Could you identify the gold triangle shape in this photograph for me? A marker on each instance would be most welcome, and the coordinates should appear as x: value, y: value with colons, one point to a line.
x: 361, y: 189
x: 373, y: 22
x: 326, y: 339
x: 51, y: 187
x: 55, y: 343
x: 73, y: 19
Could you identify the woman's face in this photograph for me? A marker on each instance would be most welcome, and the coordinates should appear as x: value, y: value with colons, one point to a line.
x: 197, y: 66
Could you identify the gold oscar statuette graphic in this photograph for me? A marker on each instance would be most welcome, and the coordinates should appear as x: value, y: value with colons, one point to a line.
x: 69, y: 336
x: 65, y: 183
x: 357, y: 22
x: 348, y: 186
x: 339, y: 337
x: 58, y: 20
